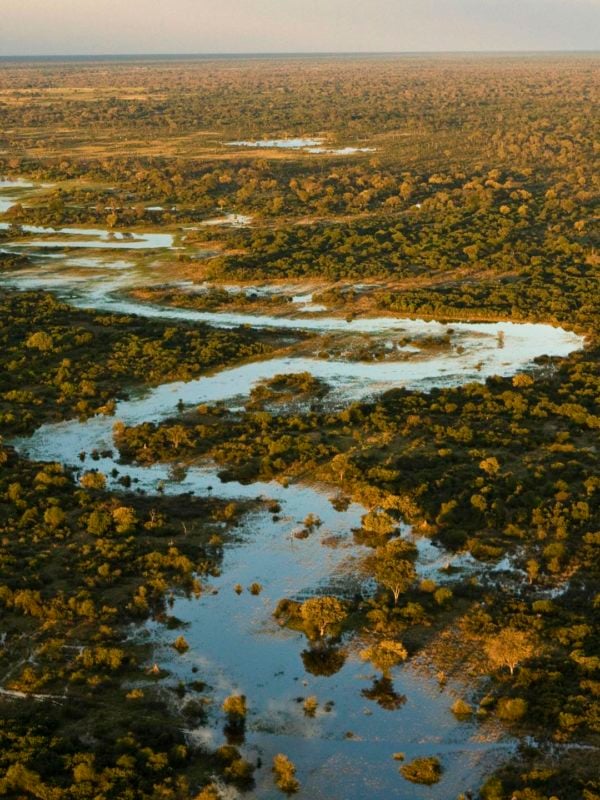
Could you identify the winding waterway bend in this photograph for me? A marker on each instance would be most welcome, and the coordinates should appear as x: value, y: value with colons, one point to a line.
x: 345, y: 751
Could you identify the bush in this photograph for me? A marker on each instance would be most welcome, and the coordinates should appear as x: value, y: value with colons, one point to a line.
x: 285, y: 772
x: 180, y: 644
x: 422, y: 770
x: 511, y: 709
x: 235, y: 705
x: 310, y: 706
x: 461, y: 709
x: 492, y: 789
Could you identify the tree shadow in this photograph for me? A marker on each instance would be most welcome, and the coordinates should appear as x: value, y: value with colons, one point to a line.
x: 324, y: 661
x: 383, y: 693
x: 235, y: 731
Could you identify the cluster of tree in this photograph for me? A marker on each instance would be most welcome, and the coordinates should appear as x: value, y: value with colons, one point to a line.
x: 10, y: 261
x: 521, y: 110
x: 479, y: 203
x: 546, y: 293
x: 78, y: 565
x: 288, y: 388
x: 490, y: 157
x: 262, y: 443
x: 502, y: 220
x: 213, y: 299
x: 58, y: 362
x: 479, y: 222
x: 509, y: 467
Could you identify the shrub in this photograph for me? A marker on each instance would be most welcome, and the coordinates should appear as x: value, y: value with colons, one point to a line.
x: 461, y: 709
x: 422, y: 770
x: 285, y: 774
x: 511, y: 709
x: 235, y: 705
x: 310, y: 706
x: 180, y: 644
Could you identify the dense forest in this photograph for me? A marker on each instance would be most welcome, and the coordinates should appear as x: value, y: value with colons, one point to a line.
x: 476, y: 198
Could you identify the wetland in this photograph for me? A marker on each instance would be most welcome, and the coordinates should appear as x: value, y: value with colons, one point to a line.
x: 303, y: 446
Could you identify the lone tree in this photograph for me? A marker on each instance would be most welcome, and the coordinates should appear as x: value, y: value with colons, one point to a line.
x: 180, y: 644
x: 178, y: 435
x: 319, y: 613
x: 508, y: 648
x: 391, y: 568
x: 384, y: 655
x: 235, y: 706
x: 285, y: 774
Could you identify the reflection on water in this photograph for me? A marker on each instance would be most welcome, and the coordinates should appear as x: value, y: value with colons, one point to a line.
x: 344, y: 751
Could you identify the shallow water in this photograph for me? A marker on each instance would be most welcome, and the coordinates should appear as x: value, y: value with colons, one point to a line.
x: 313, y: 146
x: 237, y: 645
x: 340, y: 151
x: 488, y: 348
x: 232, y: 220
x: 12, y: 191
x: 235, y: 642
x: 286, y: 144
x: 100, y: 239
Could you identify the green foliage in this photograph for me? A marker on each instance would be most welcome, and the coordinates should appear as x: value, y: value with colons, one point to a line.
x: 460, y: 708
x: 235, y: 705
x: 509, y: 648
x: 426, y: 770
x: 511, y: 709
x: 391, y: 568
x: 321, y: 613
x: 479, y: 203
x: 40, y: 341
x: 83, y: 360
x: 285, y: 772
x: 71, y: 581
x: 384, y: 655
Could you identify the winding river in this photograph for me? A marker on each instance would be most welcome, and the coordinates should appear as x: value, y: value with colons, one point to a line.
x: 345, y: 751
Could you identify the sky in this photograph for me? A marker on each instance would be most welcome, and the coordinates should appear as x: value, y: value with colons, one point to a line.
x: 69, y: 27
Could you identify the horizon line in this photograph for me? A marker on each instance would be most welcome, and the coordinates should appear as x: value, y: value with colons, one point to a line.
x: 289, y: 53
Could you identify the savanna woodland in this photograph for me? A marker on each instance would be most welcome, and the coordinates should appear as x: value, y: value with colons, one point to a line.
x: 299, y: 428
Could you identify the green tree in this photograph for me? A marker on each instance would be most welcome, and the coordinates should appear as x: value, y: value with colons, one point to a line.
x: 235, y: 706
x: 321, y: 613
x: 385, y: 655
x: 391, y: 569
x: 54, y: 516
x: 285, y: 774
x: 509, y: 648
x: 426, y: 770
x: 93, y: 480
x: 40, y: 341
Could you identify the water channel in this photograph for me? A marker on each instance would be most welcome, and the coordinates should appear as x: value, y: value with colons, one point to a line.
x: 345, y: 751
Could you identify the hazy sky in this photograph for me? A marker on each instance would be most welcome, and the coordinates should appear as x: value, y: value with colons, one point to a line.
x: 213, y: 26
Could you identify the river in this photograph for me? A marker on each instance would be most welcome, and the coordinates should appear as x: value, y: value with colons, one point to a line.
x: 345, y: 751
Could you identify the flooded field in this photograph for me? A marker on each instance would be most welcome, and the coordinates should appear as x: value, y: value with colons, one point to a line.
x: 344, y: 752
x: 315, y: 146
